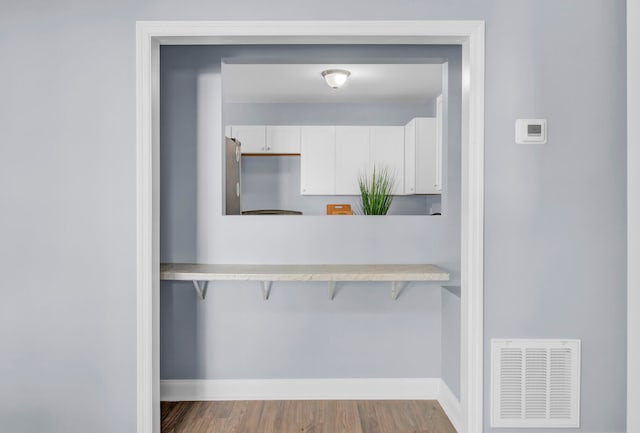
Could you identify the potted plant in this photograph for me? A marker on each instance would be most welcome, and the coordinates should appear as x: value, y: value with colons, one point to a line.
x: 376, y: 188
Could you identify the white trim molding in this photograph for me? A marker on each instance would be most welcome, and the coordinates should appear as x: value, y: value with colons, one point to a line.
x: 147, y: 231
x: 633, y: 216
x: 315, y: 389
x: 472, y: 232
x: 152, y: 34
x: 300, y: 389
x: 451, y: 406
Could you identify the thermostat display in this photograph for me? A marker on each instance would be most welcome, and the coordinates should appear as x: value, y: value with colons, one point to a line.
x: 534, y: 130
x: 531, y: 131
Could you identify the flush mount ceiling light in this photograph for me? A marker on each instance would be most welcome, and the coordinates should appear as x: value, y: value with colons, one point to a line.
x: 335, y: 78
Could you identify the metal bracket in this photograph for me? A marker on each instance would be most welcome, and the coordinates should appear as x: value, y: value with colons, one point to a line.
x: 331, y: 289
x: 201, y: 288
x: 266, y: 289
x: 395, y: 289
x: 454, y: 290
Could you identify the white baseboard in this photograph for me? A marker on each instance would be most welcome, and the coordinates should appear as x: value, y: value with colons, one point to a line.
x: 451, y: 406
x: 300, y: 389
x: 315, y: 389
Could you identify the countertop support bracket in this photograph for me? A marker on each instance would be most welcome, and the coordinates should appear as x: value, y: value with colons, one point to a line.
x: 331, y: 289
x: 395, y: 289
x: 201, y: 288
x: 266, y: 289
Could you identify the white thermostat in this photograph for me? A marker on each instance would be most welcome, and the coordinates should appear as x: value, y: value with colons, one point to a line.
x: 531, y: 131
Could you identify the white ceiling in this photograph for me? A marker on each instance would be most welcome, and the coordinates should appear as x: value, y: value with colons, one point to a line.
x: 300, y: 83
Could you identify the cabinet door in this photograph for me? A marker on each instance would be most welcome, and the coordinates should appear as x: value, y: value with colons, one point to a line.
x: 427, y: 163
x: 352, y: 157
x: 317, y: 160
x: 410, y: 157
x: 283, y: 139
x: 439, y: 141
x: 251, y: 137
x: 387, y: 150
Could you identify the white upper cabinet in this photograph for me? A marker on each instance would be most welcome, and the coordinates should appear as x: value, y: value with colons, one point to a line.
x: 263, y: 139
x: 426, y: 157
x: 359, y: 148
x: 439, y: 141
x: 283, y: 139
x: 332, y: 158
x: 410, y: 157
x: 423, y: 156
x: 252, y: 138
x: 352, y: 157
x: 387, y: 150
x: 318, y: 160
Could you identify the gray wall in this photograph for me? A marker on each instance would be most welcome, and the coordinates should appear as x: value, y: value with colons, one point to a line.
x: 554, y: 214
x: 359, y: 334
x: 451, y: 338
x: 298, y: 332
x: 325, y: 113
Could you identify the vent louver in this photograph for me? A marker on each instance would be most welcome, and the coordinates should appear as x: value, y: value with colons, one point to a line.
x: 535, y: 383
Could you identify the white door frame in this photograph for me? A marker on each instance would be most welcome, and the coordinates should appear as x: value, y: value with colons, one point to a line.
x: 633, y: 216
x: 150, y: 35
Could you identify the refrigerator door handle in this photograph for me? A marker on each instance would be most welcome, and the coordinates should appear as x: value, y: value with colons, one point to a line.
x: 233, y: 180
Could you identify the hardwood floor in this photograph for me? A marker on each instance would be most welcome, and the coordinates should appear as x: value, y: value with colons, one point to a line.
x: 364, y: 416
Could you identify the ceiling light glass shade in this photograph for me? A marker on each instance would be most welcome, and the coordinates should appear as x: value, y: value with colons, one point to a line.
x: 335, y: 77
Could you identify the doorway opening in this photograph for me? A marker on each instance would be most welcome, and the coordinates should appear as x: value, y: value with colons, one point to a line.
x: 151, y: 35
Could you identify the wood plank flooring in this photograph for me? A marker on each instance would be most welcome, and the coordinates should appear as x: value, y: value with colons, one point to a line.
x: 334, y: 416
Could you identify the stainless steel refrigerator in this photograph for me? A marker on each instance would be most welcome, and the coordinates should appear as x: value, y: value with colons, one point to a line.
x: 233, y: 157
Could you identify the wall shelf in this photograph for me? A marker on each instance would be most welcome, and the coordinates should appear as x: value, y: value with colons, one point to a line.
x: 201, y: 274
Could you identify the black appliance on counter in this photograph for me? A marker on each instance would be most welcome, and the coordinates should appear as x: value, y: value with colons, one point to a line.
x: 271, y: 212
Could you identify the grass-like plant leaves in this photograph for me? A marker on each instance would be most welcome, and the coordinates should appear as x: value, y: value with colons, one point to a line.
x: 376, y: 190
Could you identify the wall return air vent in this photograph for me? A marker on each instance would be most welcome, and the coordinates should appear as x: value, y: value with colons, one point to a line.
x: 535, y: 383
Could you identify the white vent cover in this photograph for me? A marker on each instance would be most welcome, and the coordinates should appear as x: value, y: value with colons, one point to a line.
x: 535, y: 383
